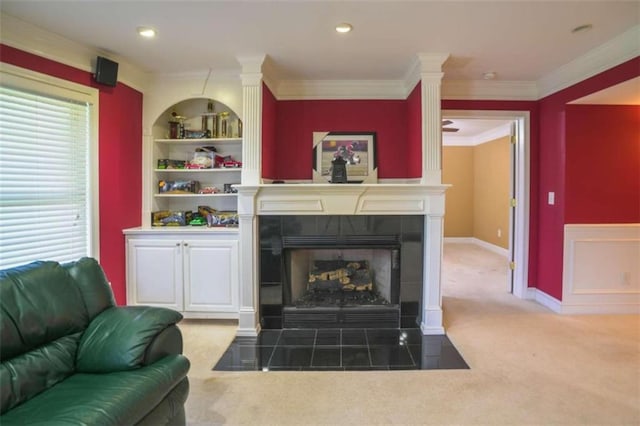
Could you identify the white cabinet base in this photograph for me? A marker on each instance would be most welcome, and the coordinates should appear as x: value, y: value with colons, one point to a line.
x: 195, y: 273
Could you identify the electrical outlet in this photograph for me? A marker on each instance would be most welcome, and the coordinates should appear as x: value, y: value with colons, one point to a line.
x: 626, y: 278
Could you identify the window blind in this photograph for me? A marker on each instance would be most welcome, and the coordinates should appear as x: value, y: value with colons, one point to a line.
x: 45, y: 210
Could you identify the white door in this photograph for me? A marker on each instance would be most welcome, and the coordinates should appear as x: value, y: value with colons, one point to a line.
x: 154, y: 273
x: 211, y: 275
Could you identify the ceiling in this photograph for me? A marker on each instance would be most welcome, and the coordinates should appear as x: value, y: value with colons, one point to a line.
x: 519, y: 40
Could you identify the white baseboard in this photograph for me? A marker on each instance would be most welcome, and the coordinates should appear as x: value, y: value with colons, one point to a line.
x: 546, y: 300
x: 472, y: 240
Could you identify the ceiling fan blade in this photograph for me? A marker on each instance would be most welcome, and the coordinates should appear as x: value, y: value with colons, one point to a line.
x: 449, y: 129
x: 446, y: 122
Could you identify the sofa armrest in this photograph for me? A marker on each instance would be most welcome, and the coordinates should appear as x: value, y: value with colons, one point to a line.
x: 118, y: 338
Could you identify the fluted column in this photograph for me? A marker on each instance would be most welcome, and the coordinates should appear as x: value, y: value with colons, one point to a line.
x: 430, y: 70
x: 248, y: 318
x: 252, y: 127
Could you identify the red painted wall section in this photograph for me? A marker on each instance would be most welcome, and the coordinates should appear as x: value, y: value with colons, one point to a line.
x: 603, y: 164
x: 414, y: 125
x: 120, y: 151
x: 297, y: 120
x: 552, y: 169
x: 268, y: 133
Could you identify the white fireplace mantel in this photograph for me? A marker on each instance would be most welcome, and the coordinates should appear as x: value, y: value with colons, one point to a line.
x: 341, y: 199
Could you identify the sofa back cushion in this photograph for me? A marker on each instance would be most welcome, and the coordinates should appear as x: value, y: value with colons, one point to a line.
x: 93, y: 285
x: 42, y: 316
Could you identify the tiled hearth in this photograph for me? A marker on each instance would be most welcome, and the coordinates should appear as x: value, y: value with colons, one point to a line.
x: 341, y: 350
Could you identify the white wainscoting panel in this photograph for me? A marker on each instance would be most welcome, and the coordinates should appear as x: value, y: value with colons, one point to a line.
x: 601, y: 269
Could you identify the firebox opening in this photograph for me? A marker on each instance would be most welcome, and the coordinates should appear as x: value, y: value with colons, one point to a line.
x: 338, y: 277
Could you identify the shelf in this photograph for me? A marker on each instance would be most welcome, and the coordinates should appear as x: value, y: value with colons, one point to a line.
x: 193, y: 195
x: 217, y: 170
x: 199, y: 141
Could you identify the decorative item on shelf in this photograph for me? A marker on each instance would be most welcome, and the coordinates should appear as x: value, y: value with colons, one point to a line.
x: 168, y: 164
x: 229, y: 189
x: 357, y: 149
x: 176, y: 126
x: 202, y: 160
x: 228, y: 162
x: 239, y: 127
x: 177, y: 186
x: 170, y: 218
x: 338, y: 170
x: 208, y: 190
x: 197, y: 134
x: 224, y: 124
x: 222, y: 219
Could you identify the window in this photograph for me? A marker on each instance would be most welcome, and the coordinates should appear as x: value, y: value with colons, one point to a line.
x: 48, y: 169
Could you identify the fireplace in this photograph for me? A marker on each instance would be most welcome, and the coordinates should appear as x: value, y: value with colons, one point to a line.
x: 340, y: 271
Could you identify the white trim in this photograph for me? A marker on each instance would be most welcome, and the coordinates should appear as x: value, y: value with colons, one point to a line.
x: 546, y: 300
x: 33, y: 39
x: 596, y: 258
x: 521, y: 232
x: 68, y: 89
x: 340, y: 89
x: 487, y: 136
x: 606, y: 56
x: 480, y: 243
x: 489, y: 90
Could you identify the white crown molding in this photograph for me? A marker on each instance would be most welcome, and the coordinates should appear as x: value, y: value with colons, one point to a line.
x: 340, y: 89
x: 608, y: 55
x: 32, y: 39
x: 487, y: 136
x: 489, y: 90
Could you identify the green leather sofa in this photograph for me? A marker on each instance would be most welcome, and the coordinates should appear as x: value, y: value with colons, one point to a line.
x: 70, y: 356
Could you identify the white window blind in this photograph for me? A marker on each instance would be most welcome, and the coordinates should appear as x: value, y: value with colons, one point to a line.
x: 45, y: 185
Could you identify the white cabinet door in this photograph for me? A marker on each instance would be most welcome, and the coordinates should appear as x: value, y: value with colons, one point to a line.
x: 211, y: 275
x: 154, y: 273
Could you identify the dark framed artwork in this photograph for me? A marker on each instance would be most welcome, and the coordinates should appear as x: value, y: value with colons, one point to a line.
x: 358, y: 149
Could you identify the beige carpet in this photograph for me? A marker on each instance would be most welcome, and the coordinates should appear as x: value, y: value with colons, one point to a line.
x: 528, y: 366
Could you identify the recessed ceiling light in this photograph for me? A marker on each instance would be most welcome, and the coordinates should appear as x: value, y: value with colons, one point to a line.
x: 489, y: 75
x: 343, y: 27
x: 582, y: 28
x: 147, y: 32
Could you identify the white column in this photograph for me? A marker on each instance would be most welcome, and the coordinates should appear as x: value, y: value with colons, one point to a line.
x: 432, y: 290
x: 252, y: 119
x: 248, y: 320
x: 430, y: 70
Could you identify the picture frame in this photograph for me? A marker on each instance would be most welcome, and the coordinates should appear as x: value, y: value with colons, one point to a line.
x: 357, y: 148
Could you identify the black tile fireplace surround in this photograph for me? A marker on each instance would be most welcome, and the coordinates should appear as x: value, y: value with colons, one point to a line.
x: 402, y: 236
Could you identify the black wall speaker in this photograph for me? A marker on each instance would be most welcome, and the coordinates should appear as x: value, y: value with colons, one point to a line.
x: 106, y: 71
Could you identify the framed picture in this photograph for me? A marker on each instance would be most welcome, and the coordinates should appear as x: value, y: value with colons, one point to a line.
x: 357, y: 149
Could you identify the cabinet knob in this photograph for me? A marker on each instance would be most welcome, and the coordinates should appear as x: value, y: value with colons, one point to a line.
x: 177, y: 244
x: 186, y: 244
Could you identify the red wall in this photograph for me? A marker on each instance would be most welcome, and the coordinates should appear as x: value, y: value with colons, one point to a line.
x: 552, y: 171
x: 268, y: 134
x: 297, y: 120
x: 602, y: 164
x: 120, y: 151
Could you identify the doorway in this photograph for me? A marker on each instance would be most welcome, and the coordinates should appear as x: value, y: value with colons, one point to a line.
x: 514, y: 125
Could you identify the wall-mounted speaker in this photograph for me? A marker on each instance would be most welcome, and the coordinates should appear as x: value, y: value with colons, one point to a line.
x: 106, y: 71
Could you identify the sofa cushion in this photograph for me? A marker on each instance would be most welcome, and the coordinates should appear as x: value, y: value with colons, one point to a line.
x: 121, y: 398
x: 28, y: 374
x: 93, y: 284
x: 117, y: 339
x: 39, y: 303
